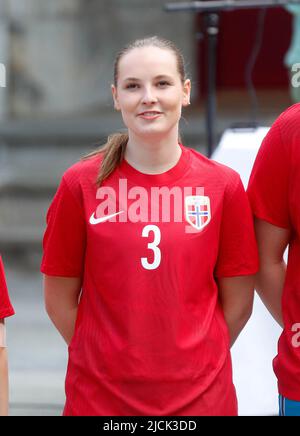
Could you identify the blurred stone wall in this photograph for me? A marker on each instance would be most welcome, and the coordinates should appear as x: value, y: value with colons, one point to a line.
x: 60, y: 53
x: 59, y: 58
x: 4, y: 55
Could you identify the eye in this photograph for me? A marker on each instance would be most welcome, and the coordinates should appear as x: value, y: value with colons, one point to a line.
x: 163, y: 83
x: 131, y: 86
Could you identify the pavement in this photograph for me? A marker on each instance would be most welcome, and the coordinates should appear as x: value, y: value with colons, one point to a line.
x: 37, y: 355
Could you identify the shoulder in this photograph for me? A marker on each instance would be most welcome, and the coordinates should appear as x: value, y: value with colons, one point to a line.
x: 83, y: 172
x: 79, y: 179
x: 217, y: 172
x: 288, y: 121
x: 291, y: 113
x: 84, y: 167
x: 282, y: 140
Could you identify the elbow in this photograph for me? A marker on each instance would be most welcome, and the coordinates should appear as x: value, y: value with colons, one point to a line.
x: 259, y: 278
x: 49, y: 307
x: 249, y: 302
x: 49, y: 310
x: 245, y: 314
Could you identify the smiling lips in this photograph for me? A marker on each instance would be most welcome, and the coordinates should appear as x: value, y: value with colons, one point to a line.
x: 149, y: 115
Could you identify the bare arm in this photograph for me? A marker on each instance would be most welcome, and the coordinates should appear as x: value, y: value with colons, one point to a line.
x: 236, y: 298
x: 61, y: 302
x: 272, y: 242
x: 3, y: 378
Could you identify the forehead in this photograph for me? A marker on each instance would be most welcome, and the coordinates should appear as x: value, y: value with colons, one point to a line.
x: 145, y: 61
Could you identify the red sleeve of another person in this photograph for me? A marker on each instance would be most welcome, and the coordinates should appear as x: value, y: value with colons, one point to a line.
x: 6, y: 308
x: 65, y: 236
x: 269, y: 180
x: 238, y: 253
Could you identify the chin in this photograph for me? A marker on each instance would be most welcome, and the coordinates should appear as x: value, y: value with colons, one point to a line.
x: 155, y: 130
x: 155, y: 134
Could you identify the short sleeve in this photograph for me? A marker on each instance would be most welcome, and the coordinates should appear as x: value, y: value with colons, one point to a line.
x: 238, y: 254
x: 65, y: 236
x: 6, y: 308
x: 269, y: 180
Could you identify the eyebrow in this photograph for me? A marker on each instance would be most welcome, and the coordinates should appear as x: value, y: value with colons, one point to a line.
x: 160, y: 76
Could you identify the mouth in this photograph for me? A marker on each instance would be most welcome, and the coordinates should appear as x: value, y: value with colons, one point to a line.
x: 149, y: 114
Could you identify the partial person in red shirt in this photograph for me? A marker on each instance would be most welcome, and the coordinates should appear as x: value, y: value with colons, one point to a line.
x: 273, y: 190
x: 149, y: 257
x: 6, y: 310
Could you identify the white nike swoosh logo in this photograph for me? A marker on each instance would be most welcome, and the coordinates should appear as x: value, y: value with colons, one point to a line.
x: 94, y: 220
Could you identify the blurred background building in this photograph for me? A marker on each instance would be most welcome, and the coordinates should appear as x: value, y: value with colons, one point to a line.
x: 57, y: 105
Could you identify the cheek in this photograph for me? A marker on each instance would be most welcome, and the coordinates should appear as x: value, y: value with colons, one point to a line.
x: 127, y: 102
x: 128, y: 110
x: 127, y: 106
x: 174, y: 101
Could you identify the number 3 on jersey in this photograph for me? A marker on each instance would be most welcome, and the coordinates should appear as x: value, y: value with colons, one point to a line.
x: 152, y: 246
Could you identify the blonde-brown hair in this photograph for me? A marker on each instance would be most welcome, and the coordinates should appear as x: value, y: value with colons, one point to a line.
x: 113, y: 150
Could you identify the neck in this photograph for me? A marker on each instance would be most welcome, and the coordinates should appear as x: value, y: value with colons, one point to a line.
x: 152, y: 156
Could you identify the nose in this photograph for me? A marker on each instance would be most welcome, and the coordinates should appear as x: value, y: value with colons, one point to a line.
x: 149, y: 96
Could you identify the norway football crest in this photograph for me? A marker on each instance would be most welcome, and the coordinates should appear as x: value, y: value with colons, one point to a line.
x: 197, y: 211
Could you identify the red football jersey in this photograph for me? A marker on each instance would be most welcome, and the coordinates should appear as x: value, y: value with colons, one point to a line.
x: 6, y: 308
x: 150, y: 335
x: 273, y: 190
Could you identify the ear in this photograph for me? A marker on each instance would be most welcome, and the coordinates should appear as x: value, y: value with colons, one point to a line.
x: 115, y: 97
x: 186, y: 93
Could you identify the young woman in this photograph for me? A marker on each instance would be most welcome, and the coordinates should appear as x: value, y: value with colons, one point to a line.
x: 273, y: 190
x: 148, y: 259
x: 6, y: 310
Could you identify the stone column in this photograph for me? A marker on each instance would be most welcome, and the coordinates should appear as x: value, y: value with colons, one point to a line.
x: 4, y: 60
